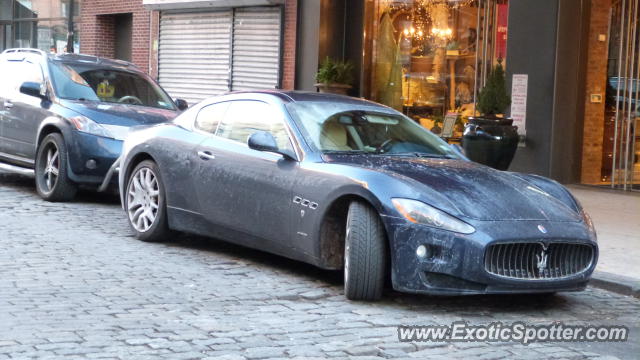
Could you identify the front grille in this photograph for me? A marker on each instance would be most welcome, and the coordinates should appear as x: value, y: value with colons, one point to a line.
x: 536, y: 261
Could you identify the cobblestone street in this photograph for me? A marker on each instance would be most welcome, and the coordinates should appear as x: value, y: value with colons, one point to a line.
x: 74, y: 283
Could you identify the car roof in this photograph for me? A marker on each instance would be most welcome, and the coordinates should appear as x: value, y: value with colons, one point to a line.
x: 70, y: 58
x: 300, y: 96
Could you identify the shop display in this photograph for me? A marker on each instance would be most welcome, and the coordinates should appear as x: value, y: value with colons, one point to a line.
x: 425, y: 59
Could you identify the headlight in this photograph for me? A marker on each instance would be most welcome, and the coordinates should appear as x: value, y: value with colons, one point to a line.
x: 86, y: 125
x: 118, y: 132
x: 420, y: 213
x: 587, y: 220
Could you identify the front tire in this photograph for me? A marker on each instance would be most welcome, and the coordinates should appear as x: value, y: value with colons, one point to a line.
x: 145, y: 203
x: 365, y: 253
x: 52, y: 180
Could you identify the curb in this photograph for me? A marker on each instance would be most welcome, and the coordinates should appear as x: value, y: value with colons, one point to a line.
x: 618, y: 284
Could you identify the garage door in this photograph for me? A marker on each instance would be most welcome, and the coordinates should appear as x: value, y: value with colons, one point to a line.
x: 256, y: 48
x: 193, y: 54
x: 207, y: 53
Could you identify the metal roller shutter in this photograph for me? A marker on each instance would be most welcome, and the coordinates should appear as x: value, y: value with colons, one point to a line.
x: 193, y: 55
x: 256, y: 48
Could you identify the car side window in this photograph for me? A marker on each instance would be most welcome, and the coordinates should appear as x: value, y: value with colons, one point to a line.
x: 210, y: 116
x: 15, y: 73
x: 244, y: 118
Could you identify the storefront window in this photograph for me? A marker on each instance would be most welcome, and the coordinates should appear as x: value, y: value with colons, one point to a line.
x: 425, y: 55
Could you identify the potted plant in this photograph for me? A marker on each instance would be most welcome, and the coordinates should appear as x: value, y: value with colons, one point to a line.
x: 490, y: 138
x: 334, y: 77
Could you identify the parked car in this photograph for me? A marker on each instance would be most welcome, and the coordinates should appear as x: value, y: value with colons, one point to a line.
x: 63, y: 117
x: 625, y: 92
x: 344, y: 183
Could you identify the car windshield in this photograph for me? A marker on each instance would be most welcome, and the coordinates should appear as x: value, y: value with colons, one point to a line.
x: 81, y: 82
x: 357, y: 129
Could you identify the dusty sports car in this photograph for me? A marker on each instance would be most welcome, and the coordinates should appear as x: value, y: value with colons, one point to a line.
x: 343, y: 183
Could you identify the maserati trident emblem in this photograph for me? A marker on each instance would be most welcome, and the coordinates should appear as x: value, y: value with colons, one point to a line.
x: 542, y: 229
x: 542, y: 259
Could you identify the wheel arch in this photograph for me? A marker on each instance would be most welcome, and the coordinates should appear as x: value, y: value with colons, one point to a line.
x: 129, y: 166
x: 47, y: 127
x: 332, y: 227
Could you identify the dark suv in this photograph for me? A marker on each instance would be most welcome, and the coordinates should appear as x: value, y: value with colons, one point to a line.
x: 63, y: 117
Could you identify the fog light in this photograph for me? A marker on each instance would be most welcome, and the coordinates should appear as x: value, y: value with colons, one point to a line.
x: 421, y: 251
x: 91, y: 164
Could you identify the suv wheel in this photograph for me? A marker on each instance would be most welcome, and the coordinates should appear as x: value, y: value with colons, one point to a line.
x: 52, y: 181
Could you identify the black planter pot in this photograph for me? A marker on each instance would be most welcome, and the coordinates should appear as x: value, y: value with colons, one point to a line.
x: 490, y: 141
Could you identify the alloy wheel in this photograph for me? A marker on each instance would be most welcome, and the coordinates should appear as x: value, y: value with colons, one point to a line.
x: 143, y: 199
x: 51, y: 167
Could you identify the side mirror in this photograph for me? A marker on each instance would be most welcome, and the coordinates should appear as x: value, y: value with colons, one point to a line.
x: 33, y: 89
x: 264, y: 141
x: 182, y: 104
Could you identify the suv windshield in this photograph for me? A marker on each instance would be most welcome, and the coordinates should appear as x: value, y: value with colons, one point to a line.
x: 82, y: 82
x: 348, y: 128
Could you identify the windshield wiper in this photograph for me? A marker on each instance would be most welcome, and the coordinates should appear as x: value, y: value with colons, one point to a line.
x: 345, y: 152
x: 434, y: 156
x: 421, y: 155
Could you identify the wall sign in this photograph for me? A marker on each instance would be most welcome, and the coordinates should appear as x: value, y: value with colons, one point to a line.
x: 519, y: 102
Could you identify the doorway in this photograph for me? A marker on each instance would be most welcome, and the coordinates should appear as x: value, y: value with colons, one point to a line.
x: 123, y: 25
x: 621, y: 164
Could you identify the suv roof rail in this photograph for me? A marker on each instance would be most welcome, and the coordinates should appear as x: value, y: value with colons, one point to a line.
x: 25, y: 50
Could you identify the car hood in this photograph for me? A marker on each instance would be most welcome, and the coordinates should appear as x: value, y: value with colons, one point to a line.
x: 468, y: 189
x: 120, y: 114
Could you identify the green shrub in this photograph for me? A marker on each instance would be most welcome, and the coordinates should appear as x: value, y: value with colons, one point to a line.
x: 335, y: 72
x: 493, y: 98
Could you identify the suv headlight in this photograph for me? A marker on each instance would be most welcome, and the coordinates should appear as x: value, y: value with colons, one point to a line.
x: 420, y: 213
x: 86, y: 125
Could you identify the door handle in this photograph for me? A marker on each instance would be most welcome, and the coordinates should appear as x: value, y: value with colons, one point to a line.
x: 206, y: 155
x: 8, y: 104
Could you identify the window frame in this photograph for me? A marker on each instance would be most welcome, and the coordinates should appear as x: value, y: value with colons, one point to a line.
x: 245, y: 143
x: 195, y: 118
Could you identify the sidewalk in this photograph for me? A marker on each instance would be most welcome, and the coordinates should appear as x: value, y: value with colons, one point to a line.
x: 616, y: 215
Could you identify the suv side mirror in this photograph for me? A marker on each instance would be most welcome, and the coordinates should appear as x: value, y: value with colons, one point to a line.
x: 182, y: 104
x: 264, y: 141
x: 33, y: 89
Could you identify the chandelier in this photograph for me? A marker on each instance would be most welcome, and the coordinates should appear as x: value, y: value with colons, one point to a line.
x: 424, y: 22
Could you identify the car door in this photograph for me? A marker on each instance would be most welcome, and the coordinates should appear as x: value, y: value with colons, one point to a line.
x: 245, y: 190
x: 7, y: 75
x: 24, y: 112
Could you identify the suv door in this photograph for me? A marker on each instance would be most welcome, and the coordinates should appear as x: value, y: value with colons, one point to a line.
x: 5, y: 85
x: 242, y: 189
x: 24, y: 112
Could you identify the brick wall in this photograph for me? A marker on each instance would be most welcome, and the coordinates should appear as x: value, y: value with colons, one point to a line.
x: 289, y: 43
x: 594, y: 113
x: 97, y: 33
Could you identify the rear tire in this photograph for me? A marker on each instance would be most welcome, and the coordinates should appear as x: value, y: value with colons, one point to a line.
x: 365, y: 253
x: 145, y: 203
x: 52, y: 180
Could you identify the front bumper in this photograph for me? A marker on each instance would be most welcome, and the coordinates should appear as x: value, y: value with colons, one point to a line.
x: 93, y: 159
x: 455, y: 264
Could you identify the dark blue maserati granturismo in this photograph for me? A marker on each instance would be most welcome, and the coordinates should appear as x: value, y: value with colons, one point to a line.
x: 348, y: 184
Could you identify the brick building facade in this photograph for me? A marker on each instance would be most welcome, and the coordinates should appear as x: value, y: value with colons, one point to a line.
x: 596, y: 80
x: 98, y: 34
x: 98, y: 30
